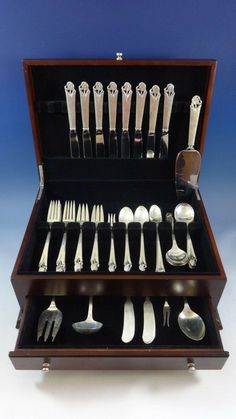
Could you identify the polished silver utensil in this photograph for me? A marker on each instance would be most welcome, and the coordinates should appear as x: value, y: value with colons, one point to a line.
x: 191, y: 323
x: 98, y: 103
x: 169, y: 93
x: 112, y: 256
x: 184, y: 213
x: 67, y: 217
x: 129, y: 322
x: 70, y: 93
x: 126, y: 216
x: 126, y: 105
x: 188, y: 162
x: 154, y: 94
x: 53, y: 216
x: 96, y: 217
x: 88, y: 326
x: 141, y: 93
x: 84, y: 101
x: 81, y: 218
x: 175, y: 256
x: 112, y: 106
x: 149, y: 322
x: 166, y: 314
x: 156, y: 217
x: 141, y: 216
x: 49, y: 321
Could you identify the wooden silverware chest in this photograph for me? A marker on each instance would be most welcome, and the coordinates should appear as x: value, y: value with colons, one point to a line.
x: 115, y: 183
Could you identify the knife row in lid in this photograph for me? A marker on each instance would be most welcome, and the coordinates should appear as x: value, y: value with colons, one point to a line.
x: 125, y: 142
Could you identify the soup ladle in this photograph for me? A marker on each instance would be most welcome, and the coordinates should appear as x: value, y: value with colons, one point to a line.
x: 191, y: 323
x: 88, y: 326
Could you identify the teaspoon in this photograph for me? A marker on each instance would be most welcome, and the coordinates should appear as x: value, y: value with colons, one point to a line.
x: 184, y: 213
x: 88, y: 326
x: 156, y: 217
x: 141, y: 216
x: 126, y: 216
x: 175, y: 256
x: 191, y: 323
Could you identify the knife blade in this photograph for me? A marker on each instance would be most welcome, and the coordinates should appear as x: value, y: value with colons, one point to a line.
x: 155, y: 95
x: 129, y: 322
x: 98, y: 93
x: 84, y: 100
x: 169, y: 93
x: 126, y: 105
x: 141, y: 93
x: 112, y: 105
x: 188, y: 162
x: 70, y: 93
x: 149, y: 322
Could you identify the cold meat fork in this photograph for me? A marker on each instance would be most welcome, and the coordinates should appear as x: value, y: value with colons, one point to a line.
x: 50, y: 318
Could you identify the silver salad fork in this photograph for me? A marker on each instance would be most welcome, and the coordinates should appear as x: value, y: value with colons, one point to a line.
x: 112, y: 258
x: 51, y: 318
x: 68, y: 217
x: 53, y: 216
x: 96, y: 217
x: 82, y: 217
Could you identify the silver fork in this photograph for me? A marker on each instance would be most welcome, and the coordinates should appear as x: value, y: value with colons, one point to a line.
x: 166, y: 314
x: 82, y: 217
x: 112, y: 258
x: 52, y: 316
x: 96, y: 217
x: 68, y: 217
x: 53, y: 216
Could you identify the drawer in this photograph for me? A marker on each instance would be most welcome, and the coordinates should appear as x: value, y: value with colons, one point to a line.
x: 171, y: 349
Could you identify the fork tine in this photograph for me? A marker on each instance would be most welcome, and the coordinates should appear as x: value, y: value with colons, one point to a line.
x: 86, y: 213
x: 83, y: 213
x: 49, y: 216
x: 48, y: 328
x: 73, y: 211
x: 56, y: 325
x: 109, y: 218
x: 114, y: 218
x: 93, y: 216
x: 58, y: 210
x: 41, y: 324
x: 78, y: 217
x: 65, y: 211
x: 97, y: 216
x: 101, y: 218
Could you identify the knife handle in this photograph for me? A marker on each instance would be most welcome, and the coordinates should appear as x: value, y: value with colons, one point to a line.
x: 169, y: 93
x: 70, y: 93
x: 195, y: 108
x: 141, y: 93
x: 155, y: 95
x: 126, y: 105
x: 112, y: 104
x: 98, y: 93
x: 84, y: 93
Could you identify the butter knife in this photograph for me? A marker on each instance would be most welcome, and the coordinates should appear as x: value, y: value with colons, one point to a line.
x: 126, y: 105
x: 149, y: 323
x: 129, y: 322
x: 155, y: 95
x: 141, y: 93
x: 112, y: 105
x: 169, y: 93
x: 84, y: 101
x: 70, y: 93
x: 98, y: 93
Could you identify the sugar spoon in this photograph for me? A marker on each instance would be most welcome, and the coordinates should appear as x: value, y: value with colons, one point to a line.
x: 175, y: 256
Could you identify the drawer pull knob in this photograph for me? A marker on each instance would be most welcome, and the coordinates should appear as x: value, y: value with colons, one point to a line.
x: 191, y: 367
x: 46, y: 366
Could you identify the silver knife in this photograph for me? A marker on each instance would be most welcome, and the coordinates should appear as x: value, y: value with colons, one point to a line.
x: 169, y: 93
x: 129, y: 322
x: 155, y: 95
x: 84, y: 101
x: 98, y: 103
x: 126, y: 105
x: 70, y: 93
x: 141, y: 93
x: 112, y: 104
x: 149, y: 322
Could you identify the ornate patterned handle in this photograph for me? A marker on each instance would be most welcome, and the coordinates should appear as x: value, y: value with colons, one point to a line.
x: 195, y: 108
x: 112, y: 103
x: 98, y: 93
x: 169, y: 93
x: 155, y: 95
x: 70, y: 93
x: 84, y: 100
x: 126, y: 104
x: 141, y: 93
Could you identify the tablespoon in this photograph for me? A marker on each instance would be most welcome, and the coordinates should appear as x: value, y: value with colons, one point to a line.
x: 88, y: 326
x: 184, y: 213
x: 191, y: 323
x: 156, y: 217
x: 126, y: 216
x: 141, y: 216
x: 175, y: 256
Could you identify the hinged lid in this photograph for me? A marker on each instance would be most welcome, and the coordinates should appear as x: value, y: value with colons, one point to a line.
x: 45, y: 80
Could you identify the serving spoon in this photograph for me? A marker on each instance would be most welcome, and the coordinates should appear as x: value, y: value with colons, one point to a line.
x: 88, y: 326
x: 126, y: 216
x: 175, y: 256
x: 141, y: 216
x: 156, y: 217
x: 184, y: 213
x: 191, y: 323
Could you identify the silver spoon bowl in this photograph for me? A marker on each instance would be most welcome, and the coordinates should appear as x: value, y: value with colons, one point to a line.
x: 88, y: 326
x: 191, y: 323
